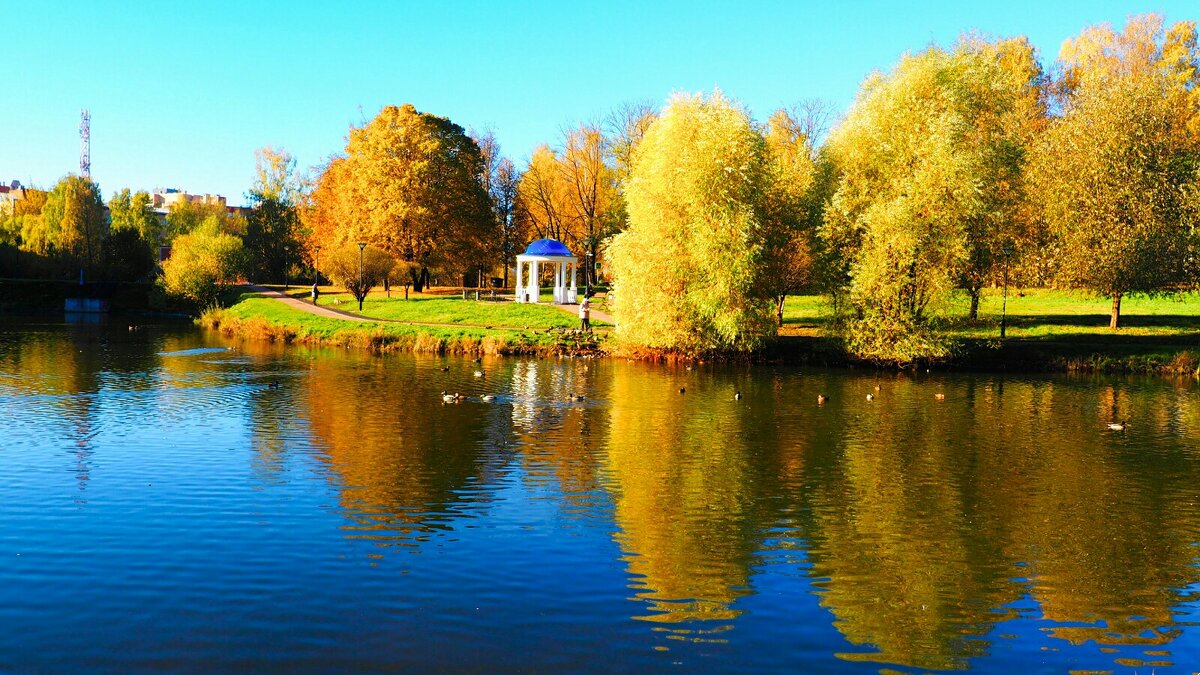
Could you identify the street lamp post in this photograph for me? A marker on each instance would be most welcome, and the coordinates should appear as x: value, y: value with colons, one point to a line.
x: 316, y: 274
x: 1006, y: 251
x: 362, y: 291
x: 587, y: 275
x: 286, y: 251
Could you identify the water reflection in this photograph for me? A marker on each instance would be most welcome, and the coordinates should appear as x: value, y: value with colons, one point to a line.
x: 694, y: 478
x: 923, y: 533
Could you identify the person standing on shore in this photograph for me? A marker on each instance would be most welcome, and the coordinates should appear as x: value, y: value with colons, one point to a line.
x: 315, y: 293
x: 585, y: 312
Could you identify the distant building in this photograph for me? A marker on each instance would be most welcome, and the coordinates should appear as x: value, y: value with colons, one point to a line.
x: 9, y: 195
x: 164, y: 198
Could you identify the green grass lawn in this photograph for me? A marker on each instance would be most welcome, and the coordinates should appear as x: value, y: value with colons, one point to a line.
x: 443, y: 309
x: 252, y: 305
x: 469, y: 326
x: 1058, y: 322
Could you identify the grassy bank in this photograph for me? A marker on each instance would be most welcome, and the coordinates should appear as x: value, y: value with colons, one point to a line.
x: 254, y: 317
x: 453, y: 310
x: 1046, y: 331
x: 1050, y: 330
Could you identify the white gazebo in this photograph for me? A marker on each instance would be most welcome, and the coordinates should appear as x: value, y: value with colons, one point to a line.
x: 549, y: 252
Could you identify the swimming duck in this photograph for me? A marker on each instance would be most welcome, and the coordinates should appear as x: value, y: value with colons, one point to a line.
x: 870, y: 397
x: 488, y: 398
x: 682, y: 389
x: 444, y: 369
x: 478, y: 373
x: 940, y: 396
x: 452, y: 398
x: 737, y: 395
x: 1117, y: 426
x: 574, y: 397
x: 821, y: 399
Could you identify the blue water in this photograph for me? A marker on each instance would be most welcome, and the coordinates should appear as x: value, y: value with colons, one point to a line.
x: 171, y: 500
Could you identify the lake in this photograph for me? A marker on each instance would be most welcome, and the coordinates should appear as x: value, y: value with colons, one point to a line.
x: 170, y: 499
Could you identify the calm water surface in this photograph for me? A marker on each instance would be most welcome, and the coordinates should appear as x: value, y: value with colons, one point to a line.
x: 171, y: 500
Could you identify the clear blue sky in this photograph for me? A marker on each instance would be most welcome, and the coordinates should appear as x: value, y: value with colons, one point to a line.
x: 181, y: 94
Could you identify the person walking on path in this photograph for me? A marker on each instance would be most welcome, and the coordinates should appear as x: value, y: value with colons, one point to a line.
x: 315, y: 293
x: 585, y: 312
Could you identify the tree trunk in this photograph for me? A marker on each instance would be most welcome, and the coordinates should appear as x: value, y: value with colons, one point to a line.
x: 1116, y: 311
x: 974, y: 314
x: 779, y: 308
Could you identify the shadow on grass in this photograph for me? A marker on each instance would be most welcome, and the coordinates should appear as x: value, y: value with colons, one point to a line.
x: 1180, y: 321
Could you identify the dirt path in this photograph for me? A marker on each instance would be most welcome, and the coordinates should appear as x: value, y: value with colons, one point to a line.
x: 596, y: 315
x: 297, y: 303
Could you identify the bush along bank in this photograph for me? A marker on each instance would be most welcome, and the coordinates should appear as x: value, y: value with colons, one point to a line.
x: 290, y: 326
x: 265, y: 319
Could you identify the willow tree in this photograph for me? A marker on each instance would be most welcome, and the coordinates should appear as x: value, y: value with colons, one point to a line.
x: 409, y: 185
x: 1117, y: 177
x: 691, y: 270
x: 926, y: 159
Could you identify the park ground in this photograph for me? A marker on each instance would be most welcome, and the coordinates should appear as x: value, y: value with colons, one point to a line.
x: 1045, y: 329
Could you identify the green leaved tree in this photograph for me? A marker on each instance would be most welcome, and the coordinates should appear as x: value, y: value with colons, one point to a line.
x: 928, y: 162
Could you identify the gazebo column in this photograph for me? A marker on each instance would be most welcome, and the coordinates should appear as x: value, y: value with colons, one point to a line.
x: 573, y: 296
x: 535, y: 289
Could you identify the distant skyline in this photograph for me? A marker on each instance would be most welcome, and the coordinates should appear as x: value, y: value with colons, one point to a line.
x: 183, y: 98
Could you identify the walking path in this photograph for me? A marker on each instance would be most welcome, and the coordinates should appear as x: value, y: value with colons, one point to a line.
x: 331, y: 313
x: 596, y: 315
x: 297, y: 303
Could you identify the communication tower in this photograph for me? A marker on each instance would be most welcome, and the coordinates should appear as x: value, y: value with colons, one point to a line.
x: 85, y: 143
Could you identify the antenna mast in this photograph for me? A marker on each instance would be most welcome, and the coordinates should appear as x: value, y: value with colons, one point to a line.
x: 85, y: 143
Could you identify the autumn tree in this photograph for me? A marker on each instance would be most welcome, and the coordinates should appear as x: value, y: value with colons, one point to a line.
x: 1009, y: 114
x: 408, y: 185
x: 184, y: 216
x: 24, y: 225
x: 273, y: 226
x: 501, y: 178
x: 74, y: 218
x: 690, y: 271
x: 203, y: 263
x: 357, y: 271
x: 625, y: 126
x: 511, y: 222
x: 1117, y: 177
x: 924, y: 162
x: 592, y: 197
x: 792, y: 202
x: 133, y: 211
x: 546, y: 196
x: 570, y: 193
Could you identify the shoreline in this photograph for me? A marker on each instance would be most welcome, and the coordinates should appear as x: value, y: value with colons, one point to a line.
x: 1014, y: 355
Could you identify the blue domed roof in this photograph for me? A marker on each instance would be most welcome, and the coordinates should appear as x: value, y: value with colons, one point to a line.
x: 547, y: 247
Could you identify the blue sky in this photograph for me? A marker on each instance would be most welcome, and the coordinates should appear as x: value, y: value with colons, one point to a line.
x: 181, y: 94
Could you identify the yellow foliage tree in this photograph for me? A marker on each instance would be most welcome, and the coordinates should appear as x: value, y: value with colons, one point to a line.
x: 408, y: 185
x: 691, y: 271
